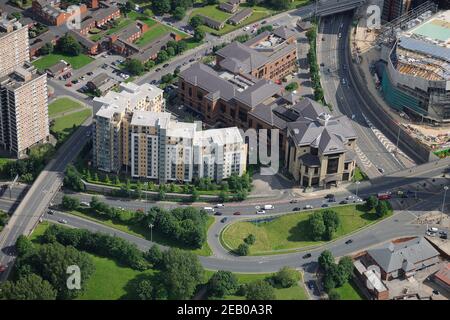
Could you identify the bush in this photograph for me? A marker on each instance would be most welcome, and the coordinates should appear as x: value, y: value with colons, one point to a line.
x: 70, y: 203
x: 243, y: 249
x: 334, y: 295
x: 250, y: 239
x: 222, y: 283
x: 260, y: 290
x: 286, y: 277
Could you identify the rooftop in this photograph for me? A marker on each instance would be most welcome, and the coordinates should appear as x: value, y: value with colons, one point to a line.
x: 403, y: 255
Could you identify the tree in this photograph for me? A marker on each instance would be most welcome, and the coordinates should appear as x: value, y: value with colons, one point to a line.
x: 70, y: 203
x: 291, y: 86
x: 223, y: 196
x: 222, y: 283
x: 24, y: 246
x: 144, y: 290
x: 134, y: 66
x: 170, y: 52
x: 328, y: 282
x: 28, y: 287
x: 199, y: 34
x: 149, y: 64
x: 260, y: 290
x: 162, y: 56
x: 161, y: 6
x: 372, y: 202
x: 46, y: 49
x: 181, y: 273
x: 382, y: 208
x: 179, y: 13
x: 139, y: 190
x: 154, y: 255
x: 194, y: 194
x: 286, y: 277
x: 68, y: 45
x: 316, y: 226
x: 117, y: 181
x: 334, y: 295
x: 72, y: 179
x: 326, y: 260
x: 126, y: 8
x: 195, y: 22
x: 162, y: 195
x: 107, y: 179
x: 243, y: 249
x: 332, y: 222
x: 250, y: 239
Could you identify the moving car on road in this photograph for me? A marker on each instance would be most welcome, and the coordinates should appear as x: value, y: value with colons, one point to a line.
x: 308, y: 206
x: 237, y: 213
x: 268, y: 207
x: 224, y: 220
x: 348, y: 241
x: 218, y: 213
x: 260, y: 212
x: 63, y: 221
x: 306, y: 256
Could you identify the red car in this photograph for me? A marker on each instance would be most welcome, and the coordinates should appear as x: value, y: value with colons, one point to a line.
x: 2, y: 268
x: 236, y: 214
x: 68, y: 84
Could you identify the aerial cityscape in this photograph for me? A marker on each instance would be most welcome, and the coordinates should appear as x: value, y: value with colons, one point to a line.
x: 224, y: 150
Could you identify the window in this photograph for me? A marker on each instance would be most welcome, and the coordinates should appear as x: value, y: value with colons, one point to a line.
x: 332, y: 165
x: 190, y: 92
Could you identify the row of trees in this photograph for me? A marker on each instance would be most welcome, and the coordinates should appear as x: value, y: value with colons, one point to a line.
x: 335, y: 275
x: 313, y: 66
x: 323, y: 225
x: 382, y: 207
x: 173, y: 48
x: 40, y: 272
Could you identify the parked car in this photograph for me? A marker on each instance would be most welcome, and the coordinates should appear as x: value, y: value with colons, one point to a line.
x: 68, y: 84
x: 90, y: 73
x: 293, y: 201
x: 85, y: 204
x: 219, y: 205
x: 50, y: 212
x: 325, y: 205
x: 268, y: 207
x: 166, y: 65
x: 343, y: 202
x: 296, y: 209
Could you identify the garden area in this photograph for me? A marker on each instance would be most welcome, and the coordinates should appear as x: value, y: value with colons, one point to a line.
x: 292, y: 231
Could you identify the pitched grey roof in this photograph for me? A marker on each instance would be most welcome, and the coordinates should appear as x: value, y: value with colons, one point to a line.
x: 238, y: 17
x: 259, y: 92
x: 283, y: 32
x: 85, y: 42
x: 212, y: 22
x: 238, y: 54
x: 317, y: 128
x: 405, y: 255
x: 206, y: 78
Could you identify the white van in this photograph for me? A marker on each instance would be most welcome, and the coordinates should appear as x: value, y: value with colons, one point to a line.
x: 208, y: 209
x: 433, y: 229
x: 268, y: 207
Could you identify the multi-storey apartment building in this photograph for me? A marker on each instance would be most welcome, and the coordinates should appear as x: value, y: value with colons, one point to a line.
x: 133, y: 97
x: 14, y: 46
x: 24, y: 110
x: 151, y: 145
x: 320, y: 151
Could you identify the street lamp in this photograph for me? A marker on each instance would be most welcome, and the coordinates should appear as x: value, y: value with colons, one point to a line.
x: 151, y: 231
x: 443, y: 203
x: 357, y: 184
x: 146, y: 189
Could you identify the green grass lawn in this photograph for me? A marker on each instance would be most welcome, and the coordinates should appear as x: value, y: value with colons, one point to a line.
x: 62, y: 105
x: 110, y: 280
x: 144, y: 233
x: 156, y: 31
x: 295, y: 292
x: 49, y: 60
x: 291, y: 231
x: 64, y: 126
x: 349, y: 291
x: 212, y: 11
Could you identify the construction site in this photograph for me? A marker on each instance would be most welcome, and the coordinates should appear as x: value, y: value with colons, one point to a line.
x: 406, y: 66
